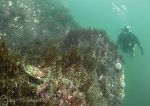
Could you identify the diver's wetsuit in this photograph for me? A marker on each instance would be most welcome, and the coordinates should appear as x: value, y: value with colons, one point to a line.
x: 127, y: 41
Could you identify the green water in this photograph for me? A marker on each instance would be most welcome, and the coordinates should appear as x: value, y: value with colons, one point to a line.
x: 112, y: 15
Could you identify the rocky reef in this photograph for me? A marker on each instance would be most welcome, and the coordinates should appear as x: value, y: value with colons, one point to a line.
x: 52, y: 61
x: 25, y: 20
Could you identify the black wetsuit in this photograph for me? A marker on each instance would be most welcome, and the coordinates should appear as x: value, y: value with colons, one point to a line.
x: 127, y: 42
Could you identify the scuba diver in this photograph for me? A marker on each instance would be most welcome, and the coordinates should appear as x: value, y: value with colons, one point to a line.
x: 127, y: 41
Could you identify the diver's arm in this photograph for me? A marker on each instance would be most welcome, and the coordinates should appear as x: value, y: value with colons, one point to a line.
x: 140, y: 47
x: 139, y: 44
x: 142, y: 52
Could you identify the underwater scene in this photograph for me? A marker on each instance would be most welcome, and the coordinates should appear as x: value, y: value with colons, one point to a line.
x: 74, y: 53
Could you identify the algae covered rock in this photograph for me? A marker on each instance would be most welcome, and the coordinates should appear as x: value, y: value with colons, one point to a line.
x: 25, y: 20
x: 82, y: 75
x: 79, y: 67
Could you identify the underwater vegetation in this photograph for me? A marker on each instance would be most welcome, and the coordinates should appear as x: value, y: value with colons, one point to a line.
x: 66, y: 76
x: 62, y: 64
x: 13, y: 80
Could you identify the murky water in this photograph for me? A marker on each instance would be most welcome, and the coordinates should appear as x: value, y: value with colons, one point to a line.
x: 112, y: 15
x: 25, y: 21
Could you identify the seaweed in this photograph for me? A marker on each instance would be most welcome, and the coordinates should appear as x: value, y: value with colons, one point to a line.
x: 71, y: 57
x: 89, y: 62
x: 9, y: 65
x: 14, y: 85
x: 52, y: 43
x: 40, y: 53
